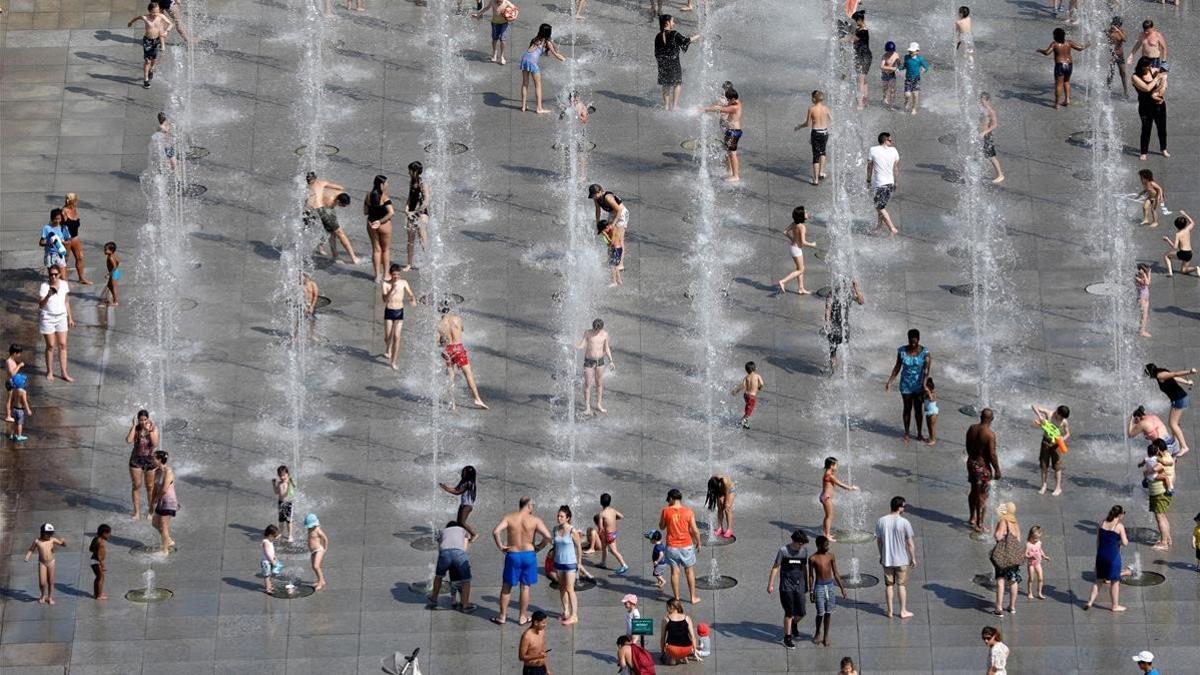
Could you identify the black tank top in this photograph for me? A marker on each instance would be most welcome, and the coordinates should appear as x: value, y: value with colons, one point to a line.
x: 677, y: 634
x: 414, y: 194
x: 1172, y: 389
x: 72, y: 226
x: 604, y: 201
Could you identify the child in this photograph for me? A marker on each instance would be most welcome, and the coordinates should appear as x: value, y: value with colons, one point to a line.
x: 608, y: 533
x: 822, y: 575
x: 1181, y: 245
x: 1159, y: 465
x: 318, y: 546
x: 268, y: 562
x: 615, y: 238
x: 12, y: 365
x: 847, y: 667
x: 658, y: 558
x: 1141, y: 281
x: 1055, y: 432
x: 1196, y: 540
x: 99, y: 551
x: 749, y: 386
x: 931, y: 410
x: 914, y: 66
x: 887, y: 72
x: 1033, y: 558
x: 114, y: 273
x: 466, y: 492
x: 20, y: 409
x: 285, y: 495
x: 703, y: 642
x: 1153, y: 198
x: 592, y: 543
x: 1061, y: 48
x: 44, y: 547
x: 630, y: 602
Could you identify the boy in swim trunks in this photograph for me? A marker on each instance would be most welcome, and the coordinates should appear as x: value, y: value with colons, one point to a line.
x: 395, y: 288
x: 1181, y: 245
x: 888, y: 67
x: 449, y: 338
x: 113, y: 265
x: 732, y: 110
x: 322, y: 198
x: 615, y: 237
x: 1055, y: 432
x: 749, y: 387
x: 818, y: 117
x: 501, y: 11
x: 44, y: 547
x: 597, y: 354
x: 914, y: 66
x: 1061, y: 49
x: 153, y: 40
x: 20, y: 407
x: 608, y: 534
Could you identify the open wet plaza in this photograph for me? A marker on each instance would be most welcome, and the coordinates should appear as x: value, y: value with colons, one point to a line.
x: 173, y: 180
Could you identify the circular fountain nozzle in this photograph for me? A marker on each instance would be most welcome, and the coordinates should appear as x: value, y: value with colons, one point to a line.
x: 863, y: 581
x: 715, y: 583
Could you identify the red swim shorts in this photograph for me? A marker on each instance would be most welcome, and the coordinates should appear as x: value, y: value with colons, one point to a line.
x: 455, y: 355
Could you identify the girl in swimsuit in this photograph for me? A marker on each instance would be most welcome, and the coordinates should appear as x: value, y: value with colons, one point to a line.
x: 466, y: 498
x: 530, y: 68
x: 829, y: 481
x: 416, y: 211
x: 1141, y: 280
x: 378, y: 209
x: 318, y: 544
x: 720, y: 498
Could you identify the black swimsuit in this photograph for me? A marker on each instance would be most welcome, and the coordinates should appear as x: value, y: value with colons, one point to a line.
x: 72, y: 226
x: 415, y: 194
x: 604, y: 201
x: 376, y: 211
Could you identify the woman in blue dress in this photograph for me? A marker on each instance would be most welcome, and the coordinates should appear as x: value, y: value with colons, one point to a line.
x: 1109, y: 540
x: 913, y: 364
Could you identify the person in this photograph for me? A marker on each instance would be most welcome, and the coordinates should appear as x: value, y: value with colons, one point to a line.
x: 797, y: 236
x: 913, y: 365
x: 1116, y: 59
x: 1149, y: 83
x: 607, y: 526
x: 453, y: 541
x: 310, y: 295
x: 54, y: 318
x: 532, y: 649
x: 16, y: 397
x: 847, y: 667
x: 683, y: 541
x: 1034, y: 555
x: 1060, y: 48
x: 143, y: 434
x: 378, y: 209
x: 1171, y: 383
x: 630, y: 602
x: 525, y: 535
x: 749, y: 387
x: 454, y: 353
x: 1196, y: 541
x: 1181, y: 245
x: 1141, y: 282
x: 171, y: 9
x: 568, y: 563
x: 70, y: 220
x: 1055, y: 432
x: 667, y: 46
x: 19, y: 408
x: 597, y: 354
x: 113, y: 265
x: 883, y: 173
x: 897, y: 554
x: 818, y: 118
x: 914, y: 66
x: 394, y: 290
x: 154, y: 39
x: 988, y: 124
x: 658, y: 559
x: 888, y: 67
x: 284, y: 487
x: 98, y: 549
x: 678, y: 640
x: 268, y: 561
x: 1159, y: 465
x: 163, y: 139
x: 930, y: 408
x: 632, y: 657
x: 608, y: 202
x: 163, y: 499
x: 822, y: 575
x: 837, y: 315
x: 731, y: 109
x: 963, y: 33
x: 997, y: 657
x: 53, y: 240
x: 1152, y: 428
x: 719, y: 498
x: 1110, y: 537
x: 1153, y: 198
x: 44, y: 546
x: 1008, y: 537
x: 1160, y: 500
x: 1152, y: 43
x: 416, y: 208
x: 829, y: 481
x: 1145, y: 659
x: 320, y: 200
x: 318, y: 548
x: 614, y: 237
x: 466, y: 490
x: 530, y: 67
x: 791, y: 565
x: 582, y: 112
x: 357, y: 7
x: 861, y: 39
x: 983, y: 465
x: 503, y: 12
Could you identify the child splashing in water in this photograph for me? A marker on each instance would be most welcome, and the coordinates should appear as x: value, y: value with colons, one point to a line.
x: 829, y: 481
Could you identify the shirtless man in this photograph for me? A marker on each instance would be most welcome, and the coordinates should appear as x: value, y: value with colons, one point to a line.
x: 818, y: 119
x: 153, y: 40
x: 797, y: 236
x: 449, y: 338
x: 597, y: 354
x: 987, y: 124
x: 520, y: 549
x: 323, y: 196
x: 532, y: 649
x: 731, y: 109
x: 1153, y: 45
x: 982, y: 466
x: 44, y: 547
x: 395, y: 288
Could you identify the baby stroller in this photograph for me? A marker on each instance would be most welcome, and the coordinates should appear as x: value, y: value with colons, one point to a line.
x: 399, y: 664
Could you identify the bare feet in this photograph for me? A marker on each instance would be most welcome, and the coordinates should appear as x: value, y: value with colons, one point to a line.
x: 998, y: 179
x: 1057, y: 492
x: 542, y: 112
x: 804, y: 291
x: 695, y: 601
x: 606, y: 412
x: 86, y: 282
x: 102, y: 596
x: 41, y: 601
x: 1142, y: 158
x: 733, y: 179
x: 906, y: 614
x: 1164, y: 153
x: 49, y: 376
x: 1040, y: 596
x: 1043, y: 490
x: 1118, y: 608
x: 782, y: 289
x: 479, y: 404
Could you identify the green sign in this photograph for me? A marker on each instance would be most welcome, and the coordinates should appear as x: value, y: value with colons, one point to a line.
x: 643, y: 626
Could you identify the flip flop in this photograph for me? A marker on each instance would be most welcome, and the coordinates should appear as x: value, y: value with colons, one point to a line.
x: 497, y: 620
x: 523, y: 622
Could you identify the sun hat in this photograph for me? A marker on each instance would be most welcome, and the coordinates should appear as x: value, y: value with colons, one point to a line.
x: 629, y: 597
x: 311, y: 521
x: 914, y: 47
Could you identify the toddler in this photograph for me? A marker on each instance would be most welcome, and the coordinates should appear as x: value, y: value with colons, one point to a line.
x: 285, y: 495
x: 931, y: 410
x: 44, y: 547
x: 1033, y: 558
x: 658, y: 558
x: 630, y: 602
x: 20, y: 408
x: 1141, y: 281
x: 269, y: 562
x: 114, y: 272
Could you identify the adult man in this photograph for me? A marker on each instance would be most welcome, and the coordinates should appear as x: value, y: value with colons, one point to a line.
x: 1153, y: 45
x: 608, y: 202
x: 897, y: 554
x: 987, y: 125
x: 883, y: 170
x: 818, y: 119
x: 532, y: 650
x: 521, y: 528
x: 791, y: 564
x: 982, y: 466
x: 683, y: 541
x: 153, y: 40
x: 596, y: 355
x: 453, y: 542
x: 323, y: 196
x: 449, y: 338
x: 1145, y: 662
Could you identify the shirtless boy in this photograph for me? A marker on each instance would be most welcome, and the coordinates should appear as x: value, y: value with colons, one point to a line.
x: 1181, y: 245
x: 1061, y: 49
x: 749, y: 387
x: 99, y: 550
x: 817, y: 118
x: 521, y: 531
x: 1153, y: 197
x: 962, y: 32
x: 982, y: 466
x: 731, y: 109
x: 608, y: 518
x: 615, y: 236
x: 987, y: 124
x: 597, y: 354
x: 44, y: 547
x: 395, y: 289
x: 1055, y: 427
x: 323, y: 197
x: 532, y: 648
x: 1116, y: 45
x: 822, y: 575
x: 153, y: 40
x: 454, y: 353
x: 797, y: 236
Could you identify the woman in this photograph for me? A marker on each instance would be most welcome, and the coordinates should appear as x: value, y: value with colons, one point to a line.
x: 163, y: 499
x: 416, y: 211
x: 667, y: 46
x: 143, y: 434
x: 1109, y: 540
x: 568, y: 562
x: 720, y: 498
x: 1150, y: 82
x: 997, y: 659
x: 913, y: 364
x: 531, y: 68
x: 1151, y: 427
x: 861, y: 40
x: 378, y: 209
x: 828, y: 482
x: 1170, y: 383
x: 70, y: 216
x: 678, y: 640
x: 1008, y: 540
x: 54, y: 317
x: 466, y: 498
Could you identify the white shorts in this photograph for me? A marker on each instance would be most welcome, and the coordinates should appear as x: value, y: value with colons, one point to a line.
x: 796, y: 251
x: 52, y: 323
x: 623, y: 220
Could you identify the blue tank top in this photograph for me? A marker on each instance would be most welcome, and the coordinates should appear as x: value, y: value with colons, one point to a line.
x: 564, y: 548
x: 911, y: 369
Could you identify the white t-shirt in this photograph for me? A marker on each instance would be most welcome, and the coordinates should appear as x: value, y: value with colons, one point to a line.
x: 57, y: 304
x: 883, y: 159
x: 894, y: 531
x: 998, y: 658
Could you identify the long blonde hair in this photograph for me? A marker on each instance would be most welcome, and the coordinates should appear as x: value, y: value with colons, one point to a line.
x: 71, y: 199
x: 1008, y: 513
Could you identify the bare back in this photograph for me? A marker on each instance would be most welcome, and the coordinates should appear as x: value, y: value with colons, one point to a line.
x: 980, y: 440
x: 818, y: 116
x: 520, y: 529
x: 449, y: 329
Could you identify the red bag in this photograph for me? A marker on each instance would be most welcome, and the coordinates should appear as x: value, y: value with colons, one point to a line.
x: 643, y: 663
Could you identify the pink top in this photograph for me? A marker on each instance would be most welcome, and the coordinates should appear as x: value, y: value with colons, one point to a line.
x: 1033, y: 553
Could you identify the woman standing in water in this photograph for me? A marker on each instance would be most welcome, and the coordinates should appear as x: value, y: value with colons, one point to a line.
x: 377, y: 207
x: 70, y: 214
x: 530, y: 67
x: 913, y: 363
x: 162, y: 499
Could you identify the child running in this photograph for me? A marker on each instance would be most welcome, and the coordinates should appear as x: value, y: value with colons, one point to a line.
x: 44, y: 547
x: 1060, y: 48
x: 797, y: 236
x: 749, y: 387
x: 1181, y: 245
x: 1033, y: 559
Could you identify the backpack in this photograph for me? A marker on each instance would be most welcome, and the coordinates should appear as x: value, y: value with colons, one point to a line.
x: 643, y: 663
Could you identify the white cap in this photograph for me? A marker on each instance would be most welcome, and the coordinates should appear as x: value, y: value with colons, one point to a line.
x: 47, y: 527
x: 914, y: 47
x: 1144, y: 657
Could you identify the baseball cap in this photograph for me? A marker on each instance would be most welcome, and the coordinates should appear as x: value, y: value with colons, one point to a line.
x: 1143, y: 657
x: 629, y: 597
x: 47, y: 527
x: 914, y: 47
